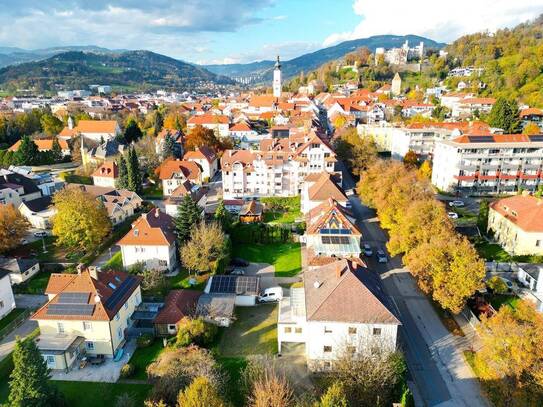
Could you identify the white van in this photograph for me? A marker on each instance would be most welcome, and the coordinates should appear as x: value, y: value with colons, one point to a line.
x: 271, y: 294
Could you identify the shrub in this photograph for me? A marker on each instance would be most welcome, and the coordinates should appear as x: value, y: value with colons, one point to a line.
x: 497, y: 285
x: 145, y: 340
x: 127, y: 370
x: 195, y: 331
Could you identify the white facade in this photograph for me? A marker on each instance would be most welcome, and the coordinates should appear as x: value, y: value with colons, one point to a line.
x: 277, y: 79
x: 103, y: 181
x: 153, y: 257
x: 7, y: 300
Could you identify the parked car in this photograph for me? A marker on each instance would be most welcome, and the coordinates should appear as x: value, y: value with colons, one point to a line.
x: 24, y: 241
x: 456, y: 204
x: 452, y: 215
x: 239, y: 262
x: 348, y: 205
x: 238, y: 272
x: 368, y: 252
x: 508, y: 283
x: 40, y: 234
x: 381, y: 256
x: 272, y: 294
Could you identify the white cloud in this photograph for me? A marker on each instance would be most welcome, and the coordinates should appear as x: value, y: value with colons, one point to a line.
x: 439, y: 20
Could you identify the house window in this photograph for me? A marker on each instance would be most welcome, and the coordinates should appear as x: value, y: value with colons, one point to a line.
x: 538, y: 243
x: 87, y: 326
x: 327, y: 330
x: 117, y: 317
x: 327, y: 349
x: 126, y: 305
x: 171, y: 327
x: 298, y: 330
x: 119, y: 333
x: 288, y: 329
x: 89, y: 345
x: 352, y: 330
x: 60, y: 327
x: 50, y: 359
x: 327, y: 365
x: 377, y: 331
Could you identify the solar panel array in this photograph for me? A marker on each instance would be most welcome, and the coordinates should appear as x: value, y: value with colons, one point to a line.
x: 234, y: 284
x: 335, y: 231
x: 481, y: 139
x: 536, y: 137
x: 70, y: 309
x: 120, y: 292
x: 335, y: 239
x: 73, y: 298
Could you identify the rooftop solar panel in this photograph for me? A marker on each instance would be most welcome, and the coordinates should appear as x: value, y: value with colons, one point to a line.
x: 536, y: 137
x: 73, y: 298
x: 235, y: 285
x: 481, y: 139
x: 70, y: 309
x: 120, y: 292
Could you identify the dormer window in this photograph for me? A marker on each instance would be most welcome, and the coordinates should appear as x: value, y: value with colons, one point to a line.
x: 514, y: 213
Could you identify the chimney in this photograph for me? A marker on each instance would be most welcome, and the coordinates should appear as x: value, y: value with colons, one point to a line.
x: 157, y: 212
x: 80, y: 267
x: 93, y: 271
x: 339, y: 270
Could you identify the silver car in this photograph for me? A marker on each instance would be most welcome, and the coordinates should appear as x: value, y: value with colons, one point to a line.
x: 381, y: 256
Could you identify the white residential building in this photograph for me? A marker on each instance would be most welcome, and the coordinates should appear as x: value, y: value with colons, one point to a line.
x: 278, y: 168
x: 175, y: 172
x: 217, y: 123
x: 7, y: 300
x: 151, y: 241
x: 206, y: 159
x: 490, y: 164
x: 341, y: 310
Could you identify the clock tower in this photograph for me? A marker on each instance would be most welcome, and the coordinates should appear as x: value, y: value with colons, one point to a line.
x: 277, y: 79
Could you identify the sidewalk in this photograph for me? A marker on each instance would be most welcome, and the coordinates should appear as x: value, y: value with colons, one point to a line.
x: 8, y: 343
x: 471, y: 340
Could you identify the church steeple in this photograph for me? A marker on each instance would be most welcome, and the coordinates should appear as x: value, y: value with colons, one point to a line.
x: 277, y: 79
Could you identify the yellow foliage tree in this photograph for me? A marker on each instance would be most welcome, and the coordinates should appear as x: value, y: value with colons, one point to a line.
x: 81, y: 221
x: 200, y: 393
x: 531, y: 129
x: 13, y: 227
x: 425, y: 170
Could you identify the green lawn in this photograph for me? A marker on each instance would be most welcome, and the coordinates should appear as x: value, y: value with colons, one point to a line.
x: 153, y: 191
x: 233, y: 366
x: 286, y: 257
x: 143, y: 357
x: 78, y: 179
x: 54, y: 254
x: 9, y: 318
x: 254, y: 332
x: 281, y: 210
x: 492, y: 251
x: 91, y: 394
x: 36, y: 285
x: 116, y: 262
x: 498, y: 300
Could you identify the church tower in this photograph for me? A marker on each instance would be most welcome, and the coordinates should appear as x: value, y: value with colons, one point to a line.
x: 277, y: 79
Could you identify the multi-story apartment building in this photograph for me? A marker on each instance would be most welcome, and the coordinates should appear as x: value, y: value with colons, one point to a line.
x: 278, y: 168
x: 491, y: 164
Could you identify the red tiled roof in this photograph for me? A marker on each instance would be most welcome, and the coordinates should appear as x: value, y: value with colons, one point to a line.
x: 208, y: 118
x: 150, y: 229
x: 524, y: 211
x: 177, y: 305
x: 171, y: 166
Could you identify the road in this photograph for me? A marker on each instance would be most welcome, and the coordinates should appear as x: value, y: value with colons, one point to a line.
x: 434, y: 356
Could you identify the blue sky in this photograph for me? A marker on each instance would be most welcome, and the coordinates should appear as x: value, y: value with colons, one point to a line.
x: 227, y: 31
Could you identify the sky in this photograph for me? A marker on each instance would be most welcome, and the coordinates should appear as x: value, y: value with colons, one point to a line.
x: 239, y: 31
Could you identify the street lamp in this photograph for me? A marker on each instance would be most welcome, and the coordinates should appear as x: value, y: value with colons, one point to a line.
x: 43, y: 243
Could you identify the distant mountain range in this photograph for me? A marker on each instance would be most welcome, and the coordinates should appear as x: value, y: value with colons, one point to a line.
x: 76, y: 67
x: 135, y: 70
x: 313, y: 60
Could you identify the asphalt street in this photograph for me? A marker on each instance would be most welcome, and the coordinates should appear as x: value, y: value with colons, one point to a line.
x: 434, y: 356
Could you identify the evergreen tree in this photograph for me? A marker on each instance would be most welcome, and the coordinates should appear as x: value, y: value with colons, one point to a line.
x: 168, y: 147
x: 188, y: 215
x: 122, y: 181
x: 28, y: 152
x: 56, y: 151
x: 482, y: 218
x: 29, y: 380
x: 133, y: 171
x: 223, y: 216
x: 505, y: 115
x: 132, y: 132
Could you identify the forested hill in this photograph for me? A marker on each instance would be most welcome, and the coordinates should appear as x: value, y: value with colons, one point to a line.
x: 512, y: 60
x: 137, y: 70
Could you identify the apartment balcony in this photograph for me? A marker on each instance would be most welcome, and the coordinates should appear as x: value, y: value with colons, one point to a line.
x: 531, y: 166
x: 530, y: 176
x: 488, y: 177
x: 490, y: 167
x: 469, y: 177
x: 508, y: 175
x: 468, y: 167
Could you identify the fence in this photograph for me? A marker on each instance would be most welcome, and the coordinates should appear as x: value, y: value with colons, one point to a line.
x: 15, y: 323
x: 470, y: 317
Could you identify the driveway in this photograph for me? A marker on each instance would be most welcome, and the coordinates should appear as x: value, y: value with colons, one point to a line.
x: 434, y: 355
x: 105, y: 256
x: 22, y: 331
x: 30, y: 300
x: 292, y: 363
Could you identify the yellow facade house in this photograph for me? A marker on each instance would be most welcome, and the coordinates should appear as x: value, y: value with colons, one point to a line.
x: 88, y: 314
x: 517, y: 224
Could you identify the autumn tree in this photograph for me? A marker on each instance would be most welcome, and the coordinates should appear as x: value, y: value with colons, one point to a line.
x: 201, y: 136
x: 425, y: 170
x: 175, y: 121
x: 511, y: 350
x: 188, y: 215
x: 13, y: 227
x: 357, y: 151
x: 531, y: 128
x: 200, y: 393
x: 410, y: 159
x: 29, y: 379
x: 497, y: 285
x: 81, y: 221
x: 51, y: 124
x: 271, y: 389
x: 195, y: 331
x: 334, y: 396
x: 205, y: 249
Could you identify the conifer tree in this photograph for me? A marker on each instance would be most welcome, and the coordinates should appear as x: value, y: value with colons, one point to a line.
x: 132, y: 132
x: 29, y: 380
x: 133, y: 172
x: 168, y: 147
x: 28, y: 152
x: 122, y: 181
x: 56, y: 151
x: 223, y: 216
x: 188, y: 215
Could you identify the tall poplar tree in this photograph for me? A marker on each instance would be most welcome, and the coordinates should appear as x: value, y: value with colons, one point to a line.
x: 188, y: 215
x: 133, y: 171
x: 122, y: 181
